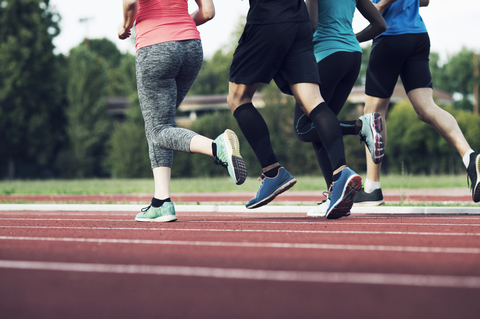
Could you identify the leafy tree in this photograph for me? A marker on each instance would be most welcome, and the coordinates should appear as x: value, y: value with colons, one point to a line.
x: 107, y: 50
x: 88, y: 125
x: 128, y: 149
x: 363, y: 69
x: 213, y: 76
x: 457, y: 77
x: 31, y: 91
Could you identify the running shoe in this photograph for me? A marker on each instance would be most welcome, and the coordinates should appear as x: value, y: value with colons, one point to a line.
x: 228, y: 155
x: 374, y: 198
x: 321, y: 209
x: 371, y: 134
x: 164, y: 213
x: 342, y: 193
x: 271, y: 187
x: 473, y: 172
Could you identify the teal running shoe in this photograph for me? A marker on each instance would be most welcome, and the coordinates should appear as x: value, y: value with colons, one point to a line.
x: 228, y: 155
x: 164, y: 213
x: 343, y: 193
x: 371, y: 134
x: 271, y: 188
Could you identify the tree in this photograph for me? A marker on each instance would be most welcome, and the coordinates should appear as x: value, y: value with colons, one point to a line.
x: 31, y: 91
x: 127, y: 148
x: 457, y: 76
x: 88, y: 125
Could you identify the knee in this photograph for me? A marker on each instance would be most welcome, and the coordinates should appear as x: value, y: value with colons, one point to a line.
x: 426, y: 114
x: 233, y: 102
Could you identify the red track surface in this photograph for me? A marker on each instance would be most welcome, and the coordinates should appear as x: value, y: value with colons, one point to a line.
x: 306, y: 197
x: 73, y: 265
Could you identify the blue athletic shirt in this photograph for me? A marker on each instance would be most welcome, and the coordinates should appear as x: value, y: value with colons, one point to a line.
x: 403, y: 17
x: 334, y: 30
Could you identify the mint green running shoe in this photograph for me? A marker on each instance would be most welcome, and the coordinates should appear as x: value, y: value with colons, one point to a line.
x: 164, y: 213
x: 228, y: 155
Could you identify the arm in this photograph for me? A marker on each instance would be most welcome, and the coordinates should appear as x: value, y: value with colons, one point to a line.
x: 130, y: 11
x: 424, y: 3
x: 377, y: 23
x: 204, y: 13
x: 312, y: 7
x: 383, y: 4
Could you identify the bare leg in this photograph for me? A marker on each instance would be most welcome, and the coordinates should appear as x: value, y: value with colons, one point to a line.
x: 161, y: 177
x: 307, y: 95
x: 442, y: 121
x: 201, y: 145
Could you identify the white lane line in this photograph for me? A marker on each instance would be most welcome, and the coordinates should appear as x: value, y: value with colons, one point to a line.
x: 245, y: 215
x: 246, y: 230
x: 447, y: 250
x: 472, y: 282
x: 317, y: 222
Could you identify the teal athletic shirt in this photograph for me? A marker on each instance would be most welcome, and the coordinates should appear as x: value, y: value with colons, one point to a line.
x: 403, y: 17
x: 334, y: 31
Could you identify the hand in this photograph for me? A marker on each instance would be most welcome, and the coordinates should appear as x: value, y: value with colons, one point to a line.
x: 122, y: 32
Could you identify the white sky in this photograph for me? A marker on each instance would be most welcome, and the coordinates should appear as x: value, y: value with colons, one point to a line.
x: 451, y: 24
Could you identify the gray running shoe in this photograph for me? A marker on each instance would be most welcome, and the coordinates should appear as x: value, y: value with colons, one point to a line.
x: 371, y: 134
x: 374, y: 198
x: 473, y: 172
x: 228, y: 155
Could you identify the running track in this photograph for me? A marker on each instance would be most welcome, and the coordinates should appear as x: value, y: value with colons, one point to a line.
x: 235, y: 265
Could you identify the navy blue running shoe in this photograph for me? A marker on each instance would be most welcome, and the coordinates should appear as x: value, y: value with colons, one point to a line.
x: 343, y: 192
x: 271, y: 187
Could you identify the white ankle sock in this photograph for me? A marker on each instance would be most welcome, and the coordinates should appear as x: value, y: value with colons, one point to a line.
x: 466, y: 157
x: 370, y: 186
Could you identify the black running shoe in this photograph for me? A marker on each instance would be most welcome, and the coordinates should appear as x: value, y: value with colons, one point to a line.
x: 374, y: 198
x: 473, y: 172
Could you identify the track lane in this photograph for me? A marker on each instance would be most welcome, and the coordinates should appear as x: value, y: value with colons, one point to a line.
x: 58, y: 293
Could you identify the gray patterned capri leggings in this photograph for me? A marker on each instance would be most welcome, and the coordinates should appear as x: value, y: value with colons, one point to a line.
x: 165, y: 73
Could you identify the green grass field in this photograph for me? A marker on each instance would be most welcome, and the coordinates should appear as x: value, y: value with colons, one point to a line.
x: 224, y: 184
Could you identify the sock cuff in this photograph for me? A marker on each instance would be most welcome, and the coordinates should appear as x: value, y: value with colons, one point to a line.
x: 370, y: 186
x: 242, y: 108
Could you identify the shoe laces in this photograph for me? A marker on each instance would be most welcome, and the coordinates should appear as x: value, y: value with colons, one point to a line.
x: 261, y: 178
x: 326, y: 194
x: 468, y: 183
x: 144, y: 209
x: 329, y: 192
x: 363, y: 138
x: 217, y: 161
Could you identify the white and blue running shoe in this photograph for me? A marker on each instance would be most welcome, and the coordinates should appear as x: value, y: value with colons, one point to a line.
x: 371, y: 134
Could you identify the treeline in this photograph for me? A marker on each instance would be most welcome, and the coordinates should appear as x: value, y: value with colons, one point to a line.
x: 54, y: 121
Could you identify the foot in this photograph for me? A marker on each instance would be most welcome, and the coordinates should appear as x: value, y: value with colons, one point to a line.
x: 228, y: 155
x: 374, y: 198
x: 371, y: 134
x: 342, y: 194
x: 164, y: 213
x: 473, y: 172
x: 271, y: 188
x: 320, y: 210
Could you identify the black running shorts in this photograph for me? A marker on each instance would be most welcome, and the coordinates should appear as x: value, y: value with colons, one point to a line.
x: 281, y: 51
x: 406, y: 55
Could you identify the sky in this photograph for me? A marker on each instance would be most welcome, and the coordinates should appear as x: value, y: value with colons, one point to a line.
x: 451, y: 24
